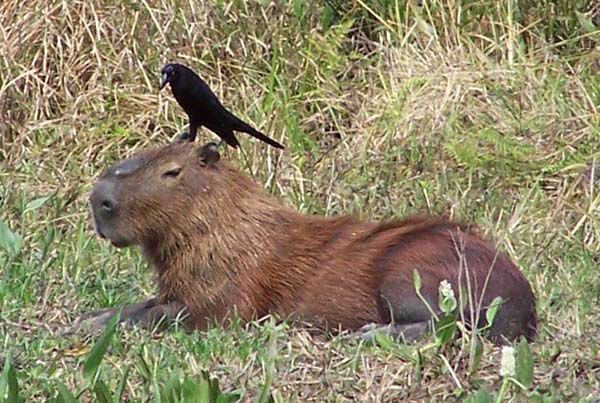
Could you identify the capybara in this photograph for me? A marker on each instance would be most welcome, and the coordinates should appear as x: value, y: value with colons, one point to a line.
x: 218, y: 243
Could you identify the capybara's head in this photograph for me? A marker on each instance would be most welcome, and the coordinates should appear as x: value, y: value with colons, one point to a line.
x: 145, y: 198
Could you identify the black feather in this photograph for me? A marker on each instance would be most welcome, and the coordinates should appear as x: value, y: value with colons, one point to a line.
x: 204, y: 108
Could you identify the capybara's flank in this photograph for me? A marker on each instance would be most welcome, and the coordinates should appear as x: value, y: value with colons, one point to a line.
x: 218, y: 241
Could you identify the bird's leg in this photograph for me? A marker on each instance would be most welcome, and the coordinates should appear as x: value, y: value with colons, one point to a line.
x: 188, y: 136
x: 183, y: 137
x: 220, y: 144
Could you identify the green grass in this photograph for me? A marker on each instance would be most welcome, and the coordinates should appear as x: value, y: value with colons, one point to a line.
x: 485, y: 112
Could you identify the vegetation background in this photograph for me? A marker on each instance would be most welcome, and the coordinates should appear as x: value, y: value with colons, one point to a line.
x: 486, y: 111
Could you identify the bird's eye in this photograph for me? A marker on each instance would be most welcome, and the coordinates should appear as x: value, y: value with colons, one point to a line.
x: 172, y: 173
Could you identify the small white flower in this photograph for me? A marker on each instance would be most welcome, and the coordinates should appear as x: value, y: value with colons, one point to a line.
x: 507, y: 362
x: 446, y: 289
x: 447, y: 300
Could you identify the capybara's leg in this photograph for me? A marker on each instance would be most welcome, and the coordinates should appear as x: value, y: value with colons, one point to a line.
x: 405, y: 315
x: 406, y: 332
x: 145, y: 314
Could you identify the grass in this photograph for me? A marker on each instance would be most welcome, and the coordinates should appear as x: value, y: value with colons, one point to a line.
x: 486, y: 111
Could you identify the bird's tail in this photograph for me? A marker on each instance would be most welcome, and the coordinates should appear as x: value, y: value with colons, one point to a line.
x: 246, y: 128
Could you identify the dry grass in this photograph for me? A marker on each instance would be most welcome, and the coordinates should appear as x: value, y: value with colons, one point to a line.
x: 391, y: 110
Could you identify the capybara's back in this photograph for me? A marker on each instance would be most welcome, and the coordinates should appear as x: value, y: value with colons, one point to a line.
x: 219, y: 242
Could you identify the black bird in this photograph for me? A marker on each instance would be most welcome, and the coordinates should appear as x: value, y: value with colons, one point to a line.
x: 203, y: 107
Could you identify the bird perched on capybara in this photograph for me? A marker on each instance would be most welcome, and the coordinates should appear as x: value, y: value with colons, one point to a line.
x: 238, y: 248
x: 204, y: 108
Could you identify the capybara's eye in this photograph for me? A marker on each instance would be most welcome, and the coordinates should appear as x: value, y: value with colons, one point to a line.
x: 172, y: 172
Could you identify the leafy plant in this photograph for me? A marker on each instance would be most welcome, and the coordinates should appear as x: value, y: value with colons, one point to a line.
x: 516, y: 370
x: 92, y: 363
x: 524, y: 364
x: 205, y: 389
x: 9, y: 241
x: 9, y: 386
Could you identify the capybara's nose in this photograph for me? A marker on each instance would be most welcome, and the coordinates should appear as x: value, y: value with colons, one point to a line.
x: 103, y: 200
x: 108, y: 206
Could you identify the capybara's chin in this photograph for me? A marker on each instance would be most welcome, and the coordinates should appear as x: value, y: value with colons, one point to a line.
x: 121, y: 243
x: 118, y: 240
x: 107, y: 231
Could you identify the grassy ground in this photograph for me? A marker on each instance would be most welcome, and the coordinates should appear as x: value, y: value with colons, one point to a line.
x: 486, y: 111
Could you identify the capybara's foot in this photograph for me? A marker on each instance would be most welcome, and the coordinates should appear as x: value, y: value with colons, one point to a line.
x: 144, y: 314
x: 90, y: 322
x: 407, y: 332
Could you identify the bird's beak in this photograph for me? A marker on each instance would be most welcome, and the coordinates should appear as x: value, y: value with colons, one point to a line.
x: 164, y: 79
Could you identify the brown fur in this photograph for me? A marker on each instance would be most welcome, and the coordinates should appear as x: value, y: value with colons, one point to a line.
x: 218, y: 241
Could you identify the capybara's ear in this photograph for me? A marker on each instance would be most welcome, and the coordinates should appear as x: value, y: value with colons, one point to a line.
x: 209, y: 153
